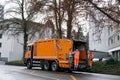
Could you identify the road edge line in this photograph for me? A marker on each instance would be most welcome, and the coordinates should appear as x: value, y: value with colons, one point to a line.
x: 73, y: 77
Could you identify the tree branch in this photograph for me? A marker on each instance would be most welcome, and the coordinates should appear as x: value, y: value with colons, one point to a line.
x: 105, y: 13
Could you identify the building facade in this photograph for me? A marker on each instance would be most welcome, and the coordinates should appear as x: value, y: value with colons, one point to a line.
x: 109, y: 42
x: 11, y: 46
x: 110, y: 36
x: 114, y: 42
x: 98, y: 42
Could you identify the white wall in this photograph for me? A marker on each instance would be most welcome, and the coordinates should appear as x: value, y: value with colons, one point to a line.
x: 95, y: 43
x: 12, y: 46
x: 6, y: 46
x: 11, y: 49
x: 17, y: 53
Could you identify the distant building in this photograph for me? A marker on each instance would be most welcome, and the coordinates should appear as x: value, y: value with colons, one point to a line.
x: 98, y: 44
x: 1, y: 12
x: 110, y: 42
x: 98, y: 36
x: 98, y: 41
x: 114, y: 42
x: 110, y: 37
x: 11, y: 47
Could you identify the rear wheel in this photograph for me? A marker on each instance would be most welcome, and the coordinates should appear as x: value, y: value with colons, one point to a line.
x: 54, y: 66
x: 46, y: 65
x: 69, y: 70
x: 29, y: 64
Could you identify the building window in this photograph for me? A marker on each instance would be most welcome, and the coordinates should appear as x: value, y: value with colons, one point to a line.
x: 1, y: 26
x: 111, y: 40
x: 0, y: 54
x: 0, y: 44
x: 118, y: 37
x: 0, y: 36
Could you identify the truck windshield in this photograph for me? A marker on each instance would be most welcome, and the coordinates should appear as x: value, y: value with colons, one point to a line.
x: 28, y: 48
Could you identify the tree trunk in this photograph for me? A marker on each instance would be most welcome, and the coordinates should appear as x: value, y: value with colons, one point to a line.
x: 57, y: 22
x: 24, y: 25
x: 70, y: 11
x: 69, y: 24
x: 25, y: 39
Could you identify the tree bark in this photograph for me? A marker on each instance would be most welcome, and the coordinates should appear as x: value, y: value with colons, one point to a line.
x: 70, y: 11
x: 24, y: 25
x: 57, y: 19
x: 69, y: 26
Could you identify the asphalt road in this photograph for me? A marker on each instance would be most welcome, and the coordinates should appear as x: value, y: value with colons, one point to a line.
x: 21, y: 73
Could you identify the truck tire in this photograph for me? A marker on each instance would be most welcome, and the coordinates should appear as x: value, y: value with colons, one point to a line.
x: 69, y: 71
x: 54, y: 66
x: 42, y: 64
x: 46, y: 65
x: 29, y: 64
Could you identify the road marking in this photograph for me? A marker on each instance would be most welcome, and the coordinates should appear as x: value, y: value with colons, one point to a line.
x: 73, y: 77
x: 32, y: 72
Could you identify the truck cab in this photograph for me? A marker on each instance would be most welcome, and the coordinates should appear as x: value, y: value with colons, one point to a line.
x: 28, y: 52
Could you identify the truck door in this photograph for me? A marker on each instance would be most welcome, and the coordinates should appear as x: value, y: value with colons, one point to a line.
x: 28, y: 52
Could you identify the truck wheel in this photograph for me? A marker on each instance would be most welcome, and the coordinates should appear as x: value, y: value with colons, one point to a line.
x: 54, y: 66
x: 29, y: 64
x: 69, y: 71
x: 46, y: 65
x: 42, y: 64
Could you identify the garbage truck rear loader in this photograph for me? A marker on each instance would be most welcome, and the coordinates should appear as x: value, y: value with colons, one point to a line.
x: 54, y: 54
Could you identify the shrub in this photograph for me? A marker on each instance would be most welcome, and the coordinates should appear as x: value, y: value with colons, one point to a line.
x: 112, y: 61
x: 16, y: 63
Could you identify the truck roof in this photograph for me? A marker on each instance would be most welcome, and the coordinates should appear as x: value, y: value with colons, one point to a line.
x: 52, y: 40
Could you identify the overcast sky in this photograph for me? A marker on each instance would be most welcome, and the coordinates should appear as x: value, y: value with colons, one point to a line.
x: 2, y: 2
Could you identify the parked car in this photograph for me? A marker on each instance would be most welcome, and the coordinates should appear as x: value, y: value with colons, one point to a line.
x: 105, y: 59
x: 95, y: 59
x: 100, y: 59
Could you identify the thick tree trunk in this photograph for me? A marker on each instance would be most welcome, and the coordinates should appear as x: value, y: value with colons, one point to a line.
x: 70, y: 11
x: 25, y: 39
x: 69, y: 24
x: 60, y: 21
x: 57, y: 20
x: 60, y: 33
x: 69, y: 28
x: 24, y: 25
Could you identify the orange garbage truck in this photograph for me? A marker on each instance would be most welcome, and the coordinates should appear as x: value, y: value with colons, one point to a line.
x: 54, y: 54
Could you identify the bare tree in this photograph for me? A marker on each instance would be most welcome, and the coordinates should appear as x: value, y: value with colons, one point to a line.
x: 111, y: 9
x: 103, y: 14
x: 26, y: 13
x: 65, y: 12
